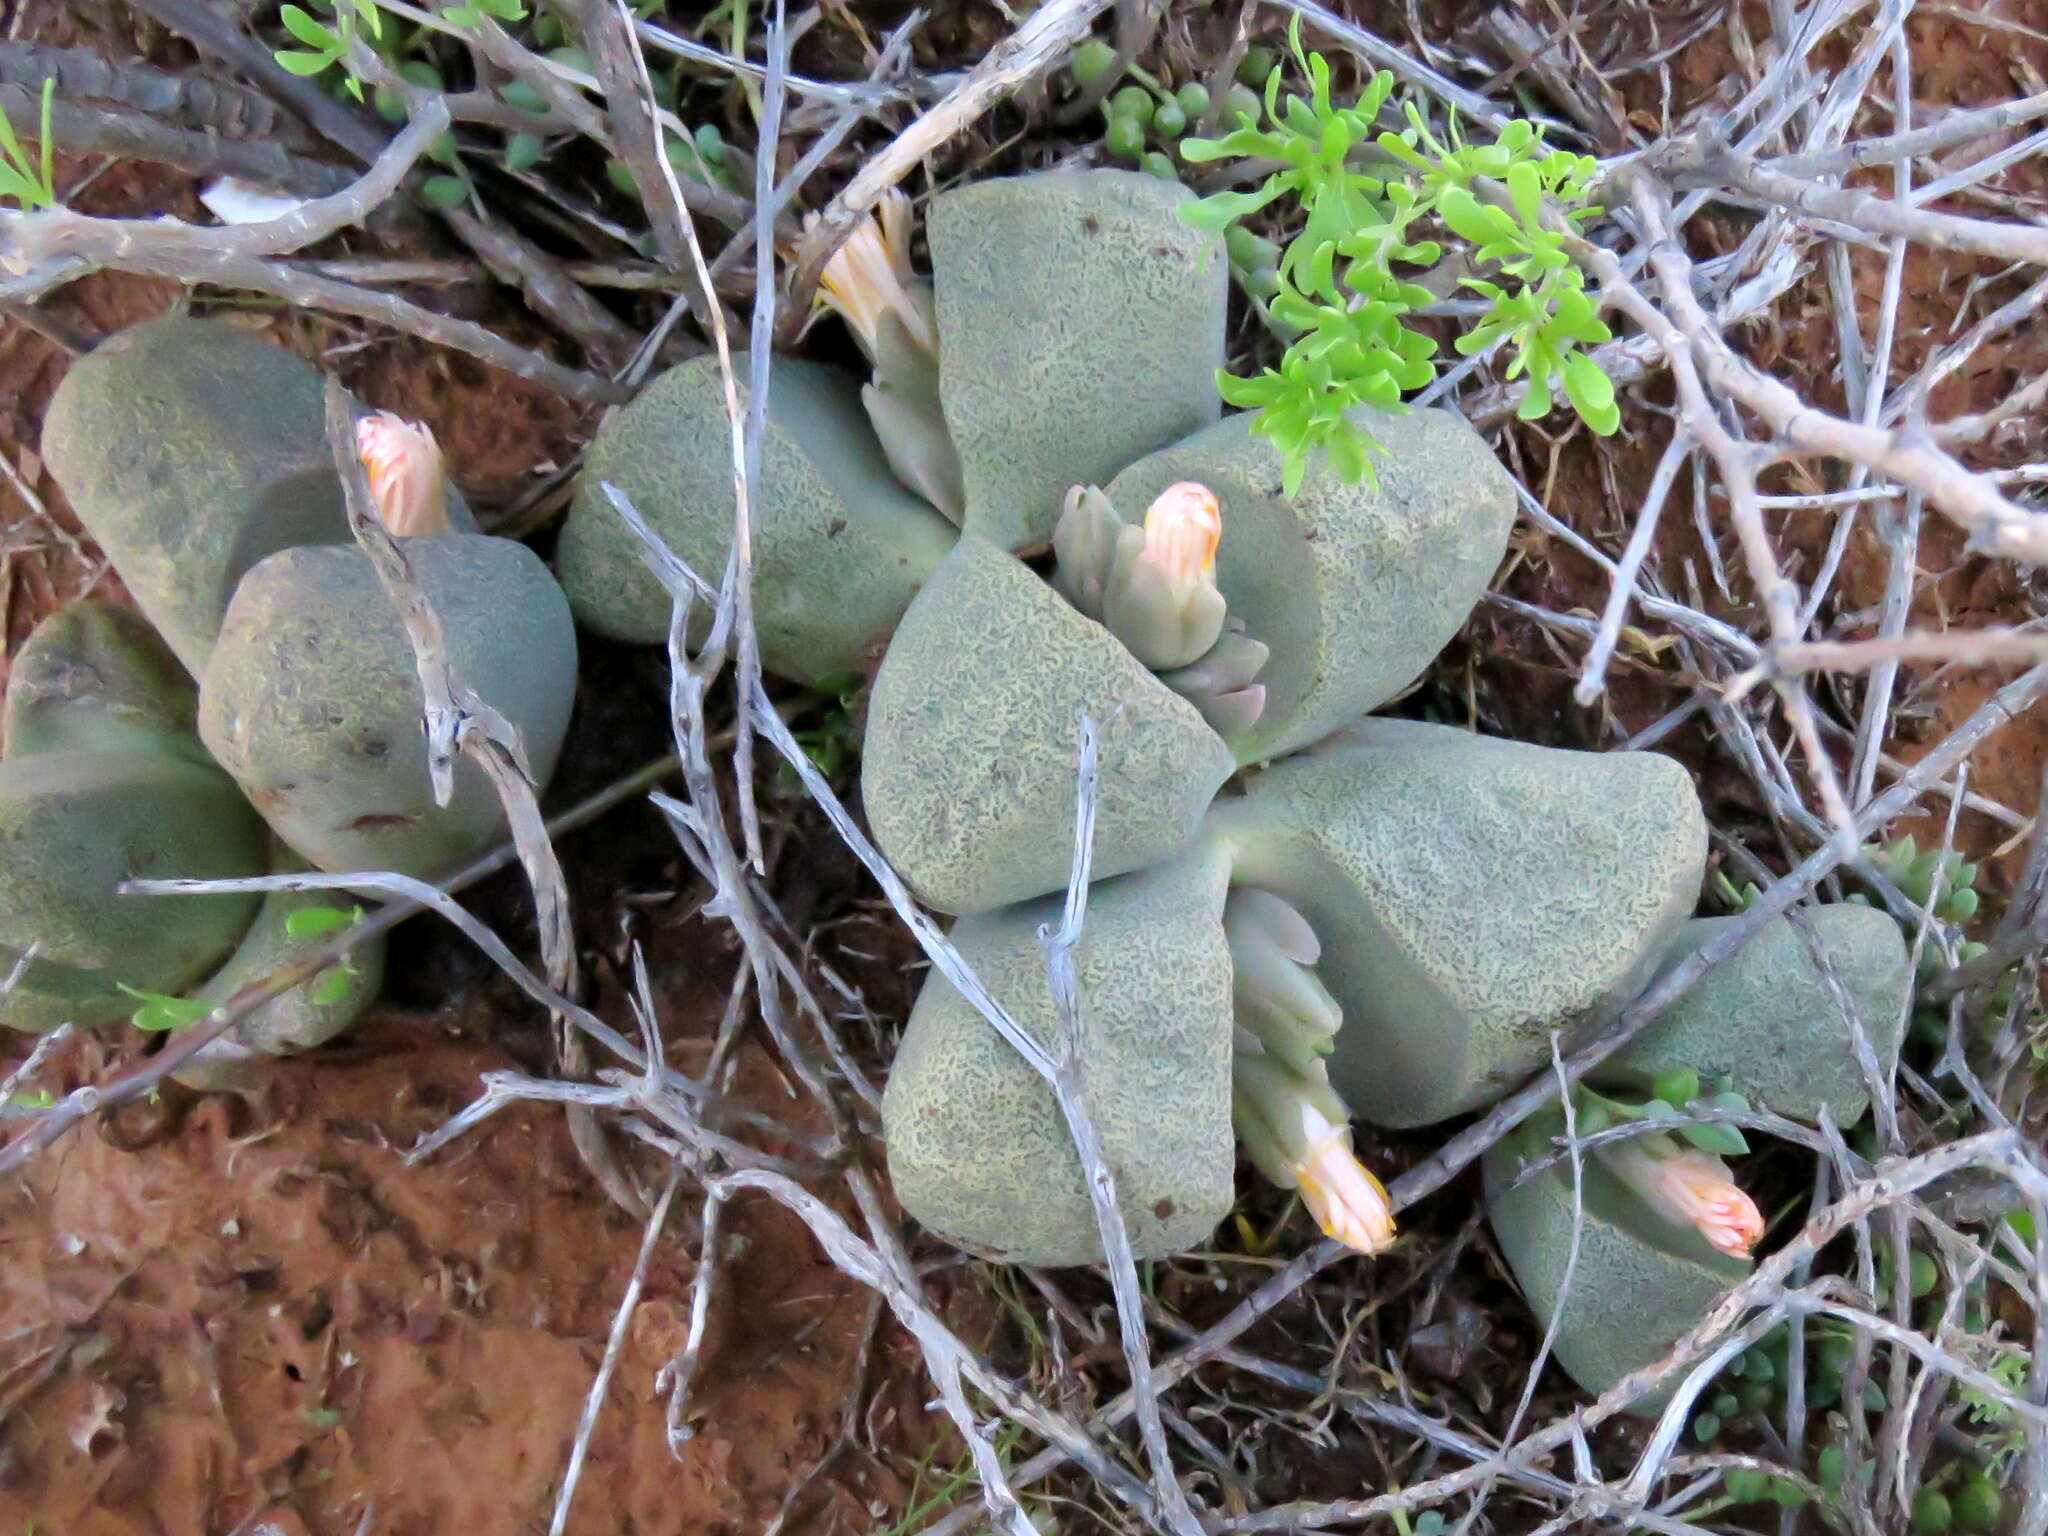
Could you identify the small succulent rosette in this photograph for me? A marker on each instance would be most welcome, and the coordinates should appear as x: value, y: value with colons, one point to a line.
x: 196, y: 455
x: 1786, y: 1024
x: 104, y: 781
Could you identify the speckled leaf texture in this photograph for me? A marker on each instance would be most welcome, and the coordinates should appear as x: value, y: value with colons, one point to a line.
x: 1641, y: 1283
x: 1766, y: 1022
x: 312, y: 699
x: 839, y: 546
x: 1354, y: 587
x: 191, y: 450
x: 978, y: 1148
x: 973, y: 741
x: 1080, y: 327
x: 1472, y: 894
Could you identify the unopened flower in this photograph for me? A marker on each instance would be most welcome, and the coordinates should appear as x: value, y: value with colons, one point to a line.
x: 1161, y: 598
x: 404, y: 465
x: 1183, y: 526
x: 1688, y: 1188
x: 870, y: 277
x: 1293, y: 1127
x: 1347, y: 1202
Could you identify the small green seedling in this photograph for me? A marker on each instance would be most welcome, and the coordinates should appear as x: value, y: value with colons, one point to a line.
x: 318, y: 922
x: 160, y: 1011
x: 1370, y: 200
x: 328, y: 45
x: 30, y: 184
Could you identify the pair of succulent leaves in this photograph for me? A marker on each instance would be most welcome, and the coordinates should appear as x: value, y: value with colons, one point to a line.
x: 195, y: 454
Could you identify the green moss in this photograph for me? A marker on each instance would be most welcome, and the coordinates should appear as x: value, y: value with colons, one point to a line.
x: 312, y: 698
x: 839, y: 546
x: 1765, y: 1020
x: 974, y: 728
x: 978, y: 1149
x: 1080, y: 326
x: 1472, y: 894
x: 1353, y: 587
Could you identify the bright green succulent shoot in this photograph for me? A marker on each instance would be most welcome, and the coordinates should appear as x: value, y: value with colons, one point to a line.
x: 311, y: 696
x: 1663, y: 1231
x: 1367, y: 198
x: 1473, y: 896
x: 103, y: 782
x: 1765, y: 1021
x: 192, y: 450
x: 288, y: 926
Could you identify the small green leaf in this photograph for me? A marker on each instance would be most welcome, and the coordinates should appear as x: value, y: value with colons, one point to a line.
x: 328, y: 988
x: 1721, y: 1140
x: 523, y: 151
x: 1681, y: 1085
x: 303, y: 63
x: 313, y: 922
x: 160, y: 1011
x: 444, y: 191
x: 313, y: 34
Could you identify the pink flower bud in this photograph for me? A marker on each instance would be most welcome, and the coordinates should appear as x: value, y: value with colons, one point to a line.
x: 404, y: 465
x: 1688, y: 1188
x: 1183, y: 526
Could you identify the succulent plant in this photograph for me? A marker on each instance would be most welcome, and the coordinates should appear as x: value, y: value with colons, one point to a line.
x: 312, y: 697
x: 839, y: 544
x: 1662, y: 1232
x: 104, y: 782
x: 197, y: 455
x: 192, y: 450
x: 1054, y: 389
x: 1766, y: 1023
x: 1472, y: 895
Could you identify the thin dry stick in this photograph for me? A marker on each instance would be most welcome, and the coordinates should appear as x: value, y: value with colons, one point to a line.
x: 1030, y: 51
x: 39, y: 250
x: 1069, y: 1086
x: 614, y: 1343
x: 53, y: 1123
